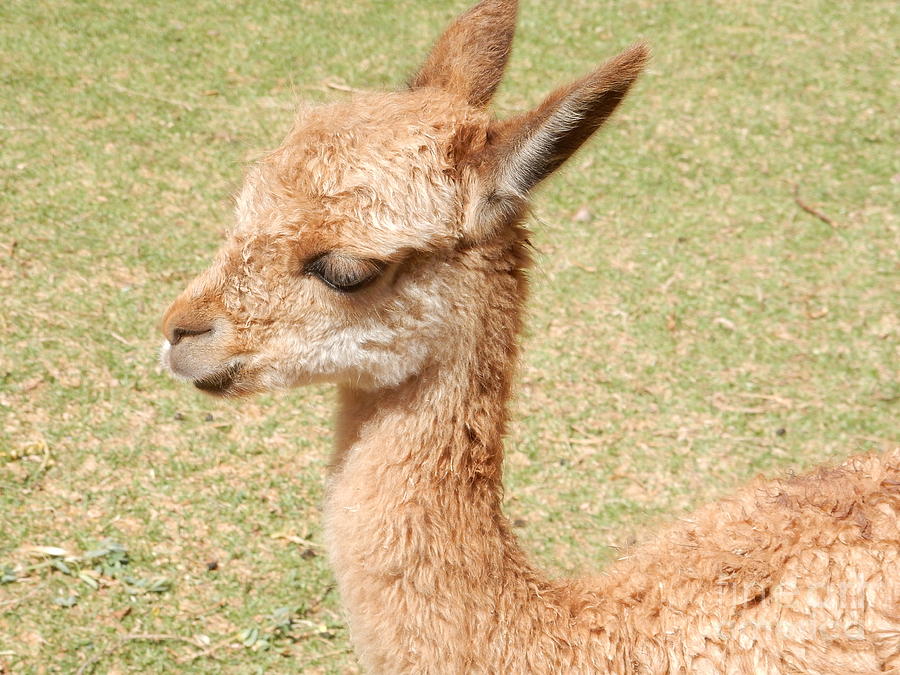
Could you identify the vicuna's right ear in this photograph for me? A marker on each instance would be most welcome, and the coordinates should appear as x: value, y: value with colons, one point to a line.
x: 526, y: 149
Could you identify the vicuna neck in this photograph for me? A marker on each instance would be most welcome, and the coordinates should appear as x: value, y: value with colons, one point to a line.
x: 416, y: 534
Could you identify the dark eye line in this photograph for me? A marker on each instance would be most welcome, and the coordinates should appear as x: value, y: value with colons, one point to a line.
x: 320, y: 266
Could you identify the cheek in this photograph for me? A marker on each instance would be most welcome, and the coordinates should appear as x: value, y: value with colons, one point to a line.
x: 414, y: 331
x: 366, y: 354
x: 378, y: 347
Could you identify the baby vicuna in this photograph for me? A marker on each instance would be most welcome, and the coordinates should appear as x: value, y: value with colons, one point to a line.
x: 381, y: 247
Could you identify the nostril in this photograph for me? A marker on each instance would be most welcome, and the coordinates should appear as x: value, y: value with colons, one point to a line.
x: 179, y: 333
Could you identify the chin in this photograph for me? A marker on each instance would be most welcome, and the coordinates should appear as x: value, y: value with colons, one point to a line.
x: 231, y: 380
x: 240, y: 380
x: 223, y: 383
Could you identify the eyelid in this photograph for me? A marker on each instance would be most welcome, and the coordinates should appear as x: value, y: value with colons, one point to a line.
x: 333, y: 268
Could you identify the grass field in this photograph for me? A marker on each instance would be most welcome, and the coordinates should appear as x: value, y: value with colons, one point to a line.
x: 717, y: 296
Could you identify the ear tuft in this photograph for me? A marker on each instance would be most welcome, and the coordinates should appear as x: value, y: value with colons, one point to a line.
x: 623, y: 69
x: 469, y: 58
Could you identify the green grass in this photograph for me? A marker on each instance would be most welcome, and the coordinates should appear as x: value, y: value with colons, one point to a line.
x: 698, y: 328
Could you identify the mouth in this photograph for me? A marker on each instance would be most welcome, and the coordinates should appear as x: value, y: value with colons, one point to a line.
x: 220, y: 383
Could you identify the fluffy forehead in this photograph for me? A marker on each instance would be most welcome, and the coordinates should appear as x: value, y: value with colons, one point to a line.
x: 373, y: 175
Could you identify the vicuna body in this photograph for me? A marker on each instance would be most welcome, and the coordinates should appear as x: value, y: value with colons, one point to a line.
x: 381, y: 247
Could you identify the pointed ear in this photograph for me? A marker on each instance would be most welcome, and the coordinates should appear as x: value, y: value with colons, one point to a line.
x: 532, y: 146
x: 524, y: 150
x: 469, y: 58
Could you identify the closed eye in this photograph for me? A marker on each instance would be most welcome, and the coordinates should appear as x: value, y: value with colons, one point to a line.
x: 342, y: 272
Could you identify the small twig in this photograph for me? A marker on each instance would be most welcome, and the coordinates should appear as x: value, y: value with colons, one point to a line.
x: 89, y: 665
x: 761, y: 442
x: 162, y: 99
x: 775, y: 400
x: 577, y: 441
x: 294, y: 539
x: 207, y: 610
x: 26, y: 127
x: 342, y: 87
x: 879, y: 440
x: 118, y: 337
x: 811, y: 210
x: 9, y: 605
x: 209, y: 652
x: 327, y: 655
x: 317, y: 603
x: 724, y: 407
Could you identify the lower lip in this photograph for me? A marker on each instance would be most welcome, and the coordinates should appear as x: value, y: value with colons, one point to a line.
x: 218, y: 383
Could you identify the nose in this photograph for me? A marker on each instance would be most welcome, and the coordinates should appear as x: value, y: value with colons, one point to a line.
x: 182, y: 322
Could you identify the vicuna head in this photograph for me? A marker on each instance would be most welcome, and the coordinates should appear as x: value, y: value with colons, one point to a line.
x: 385, y: 231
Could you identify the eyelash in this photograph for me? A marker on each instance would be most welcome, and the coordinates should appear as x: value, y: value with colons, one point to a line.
x: 321, y: 267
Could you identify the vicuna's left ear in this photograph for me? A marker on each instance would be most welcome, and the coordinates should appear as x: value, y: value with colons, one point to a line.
x: 469, y: 58
x: 524, y: 150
